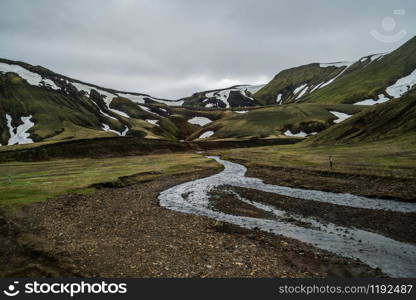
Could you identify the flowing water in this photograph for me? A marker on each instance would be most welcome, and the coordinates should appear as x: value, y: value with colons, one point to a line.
x: 394, y: 258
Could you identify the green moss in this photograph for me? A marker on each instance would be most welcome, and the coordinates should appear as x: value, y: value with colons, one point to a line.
x: 27, y: 182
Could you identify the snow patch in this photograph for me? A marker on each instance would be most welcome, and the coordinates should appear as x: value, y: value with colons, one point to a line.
x: 241, y: 111
x: 402, y: 85
x: 300, y: 134
x: 340, y: 73
x: 148, y: 110
x: 252, y: 88
x: 318, y: 86
x: 302, y: 93
x: 376, y: 57
x: 119, y: 112
x: 153, y: 122
x: 138, y: 99
x: 341, y: 116
x: 338, y: 64
x: 202, y: 121
x: 51, y: 84
x: 168, y: 103
x: 279, y: 99
x: 381, y: 98
x: 299, y: 88
x: 19, y: 135
x: 206, y: 134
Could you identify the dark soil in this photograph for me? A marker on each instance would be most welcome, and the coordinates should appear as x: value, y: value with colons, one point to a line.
x: 123, y: 232
x: 124, y: 146
x: 399, y: 226
x: 230, y: 204
x: 94, y: 148
x: 371, y: 186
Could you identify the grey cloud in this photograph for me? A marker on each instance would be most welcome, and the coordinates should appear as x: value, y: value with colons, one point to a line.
x: 173, y: 48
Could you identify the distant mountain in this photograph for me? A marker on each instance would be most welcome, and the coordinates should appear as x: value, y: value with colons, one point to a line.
x: 373, y: 79
x: 235, y: 96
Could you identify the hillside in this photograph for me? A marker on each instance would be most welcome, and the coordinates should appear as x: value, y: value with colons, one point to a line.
x: 291, y: 84
x: 294, y: 120
x: 374, y: 79
x: 37, y: 104
x: 393, y: 120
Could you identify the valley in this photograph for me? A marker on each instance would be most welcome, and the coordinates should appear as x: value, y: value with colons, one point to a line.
x: 312, y: 174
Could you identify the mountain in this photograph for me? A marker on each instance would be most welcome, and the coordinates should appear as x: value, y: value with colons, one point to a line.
x: 374, y: 79
x: 48, y: 106
x: 39, y: 105
x: 235, y: 96
x: 291, y: 84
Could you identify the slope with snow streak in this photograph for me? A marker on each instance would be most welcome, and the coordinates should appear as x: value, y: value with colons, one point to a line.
x: 31, y: 78
x: 346, y: 65
x: 381, y: 99
x: 224, y: 94
x: 397, y: 90
x: 108, y: 97
x: 395, y: 258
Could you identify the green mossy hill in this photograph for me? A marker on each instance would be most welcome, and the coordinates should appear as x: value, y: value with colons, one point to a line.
x: 370, y: 81
x: 288, y: 80
x: 273, y: 121
x: 366, y: 78
x: 395, y: 119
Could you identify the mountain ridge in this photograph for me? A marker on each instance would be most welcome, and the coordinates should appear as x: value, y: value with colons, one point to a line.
x: 37, y: 104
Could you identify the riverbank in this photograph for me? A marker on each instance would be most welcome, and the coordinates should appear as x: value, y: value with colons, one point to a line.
x: 123, y: 232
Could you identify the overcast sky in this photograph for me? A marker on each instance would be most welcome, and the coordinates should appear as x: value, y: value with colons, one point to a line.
x: 172, y: 48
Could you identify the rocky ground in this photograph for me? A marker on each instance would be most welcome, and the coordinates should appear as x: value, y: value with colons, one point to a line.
x: 123, y: 232
x: 399, y: 226
x: 403, y: 189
